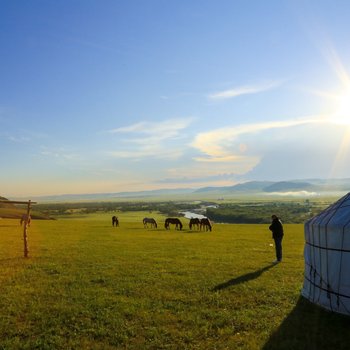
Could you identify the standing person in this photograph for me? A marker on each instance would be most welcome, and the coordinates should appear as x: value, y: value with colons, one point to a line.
x: 277, y: 234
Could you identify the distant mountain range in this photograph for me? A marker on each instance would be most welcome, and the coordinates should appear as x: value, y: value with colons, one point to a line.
x: 293, y: 187
x: 309, y: 187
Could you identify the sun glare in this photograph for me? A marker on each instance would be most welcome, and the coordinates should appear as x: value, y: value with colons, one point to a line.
x: 342, y: 110
x: 341, y: 116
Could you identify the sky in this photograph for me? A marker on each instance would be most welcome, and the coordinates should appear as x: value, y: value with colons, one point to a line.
x: 129, y: 95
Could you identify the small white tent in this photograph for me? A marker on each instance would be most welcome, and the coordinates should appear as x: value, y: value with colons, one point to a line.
x: 327, y: 257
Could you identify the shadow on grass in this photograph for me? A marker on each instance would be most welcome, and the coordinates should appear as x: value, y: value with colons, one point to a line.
x: 241, y: 279
x: 310, y: 327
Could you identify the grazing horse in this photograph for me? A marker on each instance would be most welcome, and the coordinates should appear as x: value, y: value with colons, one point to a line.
x: 115, y: 221
x: 205, y: 224
x: 174, y: 221
x: 194, y: 222
x: 25, y: 219
x: 150, y: 221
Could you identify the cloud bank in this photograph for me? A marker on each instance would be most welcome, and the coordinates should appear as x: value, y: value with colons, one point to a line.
x: 276, y: 149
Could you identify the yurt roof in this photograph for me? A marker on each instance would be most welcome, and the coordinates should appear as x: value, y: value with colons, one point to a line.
x: 336, y: 215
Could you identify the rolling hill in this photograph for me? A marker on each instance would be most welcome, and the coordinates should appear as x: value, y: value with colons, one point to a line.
x: 12, y: 211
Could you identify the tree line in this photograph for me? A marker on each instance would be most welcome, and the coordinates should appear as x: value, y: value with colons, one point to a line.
x: 253, y: 212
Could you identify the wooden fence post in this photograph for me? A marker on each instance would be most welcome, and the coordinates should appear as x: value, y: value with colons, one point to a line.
x: 26, y: 222
x: 25, y: 234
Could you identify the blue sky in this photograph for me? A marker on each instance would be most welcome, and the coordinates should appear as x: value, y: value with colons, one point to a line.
x: 109, y: 96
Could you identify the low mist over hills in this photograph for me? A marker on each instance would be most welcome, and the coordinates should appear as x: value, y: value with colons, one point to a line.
x: 305, y: 188
x: 251, y: 186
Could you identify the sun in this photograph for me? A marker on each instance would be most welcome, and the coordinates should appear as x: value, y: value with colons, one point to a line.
x: 342, y: 108
x: 341, y: 117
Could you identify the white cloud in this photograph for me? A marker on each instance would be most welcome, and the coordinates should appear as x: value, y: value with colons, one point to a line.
x: 243, y: 90
x: 150, y: 139
x: 23, y: 136
x: 214, y: 144
x: 241, y: 150
x: 163, y: 129
x: 59, y: 153
x: 19, y: 139
x: 297, y: 148
x: 155, y: 152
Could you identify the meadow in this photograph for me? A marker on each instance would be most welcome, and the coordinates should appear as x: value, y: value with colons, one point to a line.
x: 88, y: 285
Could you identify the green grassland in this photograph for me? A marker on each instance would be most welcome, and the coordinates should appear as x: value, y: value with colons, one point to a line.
x: 88, y: 285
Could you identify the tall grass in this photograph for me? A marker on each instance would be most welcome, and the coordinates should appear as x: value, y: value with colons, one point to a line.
x: 88, y: 285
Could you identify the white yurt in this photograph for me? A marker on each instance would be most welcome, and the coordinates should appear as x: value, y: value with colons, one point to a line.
x: 327, y: 257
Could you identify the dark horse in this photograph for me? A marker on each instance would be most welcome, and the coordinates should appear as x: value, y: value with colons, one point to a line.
x: 150, y: 221
x: 205, y: 224
x: 194, y: 222
x: 115, y: 221
x: 25, y: 220
x: 174, y: 221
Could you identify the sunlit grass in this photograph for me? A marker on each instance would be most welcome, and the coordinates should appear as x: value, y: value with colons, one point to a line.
x: 93, y: 286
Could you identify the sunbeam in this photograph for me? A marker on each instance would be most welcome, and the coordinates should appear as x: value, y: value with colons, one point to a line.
x: 340, y: 114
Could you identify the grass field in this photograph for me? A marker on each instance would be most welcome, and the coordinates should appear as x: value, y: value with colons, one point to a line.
x: 88, y: 285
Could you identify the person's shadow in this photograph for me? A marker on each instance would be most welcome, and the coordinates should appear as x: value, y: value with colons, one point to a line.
x: 241, y: 279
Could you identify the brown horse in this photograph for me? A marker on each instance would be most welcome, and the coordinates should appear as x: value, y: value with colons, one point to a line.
x: 25, y: 219
x: 205, y: 224
x: 194, y: 222
x: 115, y: 221
x: 174, y: 221
x: 150, y: 221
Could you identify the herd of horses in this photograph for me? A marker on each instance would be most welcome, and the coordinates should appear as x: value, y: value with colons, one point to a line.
x: 195, y: 223
x: 200, y: 224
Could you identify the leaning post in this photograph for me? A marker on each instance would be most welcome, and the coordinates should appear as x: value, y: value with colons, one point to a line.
x: 25, y: 232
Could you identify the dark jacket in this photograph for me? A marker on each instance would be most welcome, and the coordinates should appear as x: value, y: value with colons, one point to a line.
x: 277, y: 228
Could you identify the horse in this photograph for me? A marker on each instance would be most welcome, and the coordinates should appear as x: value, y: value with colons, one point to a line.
x: 205, y: 224
x: 150, y: 221
x: 174, y: 221
x: 194, y: 222
x: 26, y: 219
x: 115, y: 221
